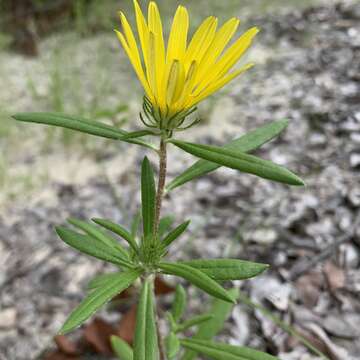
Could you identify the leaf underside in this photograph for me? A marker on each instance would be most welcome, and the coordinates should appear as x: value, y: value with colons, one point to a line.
x: 219, y: 351
x: 90, y: 246
x: 246, y: 143
x: 98, y: 298
x: 82, y: 125
x: 227, y: 269
x: 197, y: 278
x: 241, y: 161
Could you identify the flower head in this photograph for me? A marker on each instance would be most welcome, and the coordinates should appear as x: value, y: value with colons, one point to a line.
x: 178, y: 76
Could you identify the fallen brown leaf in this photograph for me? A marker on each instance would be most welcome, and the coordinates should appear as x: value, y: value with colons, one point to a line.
x: 58, y: 355
x: 335, y: 276
x: 126, y: 327
x: 162, y: 288
x: 309, y: 287
x: 66, y: 346
x: 97, y: 334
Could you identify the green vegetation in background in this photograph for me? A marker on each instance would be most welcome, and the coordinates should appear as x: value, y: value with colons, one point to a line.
x: 68, y: 93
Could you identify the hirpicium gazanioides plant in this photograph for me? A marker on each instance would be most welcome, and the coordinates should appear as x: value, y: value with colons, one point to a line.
x: 175, y: 79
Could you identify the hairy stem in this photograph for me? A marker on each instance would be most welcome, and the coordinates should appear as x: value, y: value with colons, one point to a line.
x: 161, y: 185
x: 158, y: 203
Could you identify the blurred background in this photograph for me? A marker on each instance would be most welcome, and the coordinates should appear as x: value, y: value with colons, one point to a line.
x: 63, y: 56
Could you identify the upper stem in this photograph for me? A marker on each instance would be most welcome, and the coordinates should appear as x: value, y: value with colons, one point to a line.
x: 161, y: 184
x: 158, y: 203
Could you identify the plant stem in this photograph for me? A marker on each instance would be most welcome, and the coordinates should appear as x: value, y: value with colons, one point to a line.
x: 161, y: 184
x: 158, y: 203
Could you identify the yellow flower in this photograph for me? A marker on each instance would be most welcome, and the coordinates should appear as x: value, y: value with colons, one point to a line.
x: 177, y: 77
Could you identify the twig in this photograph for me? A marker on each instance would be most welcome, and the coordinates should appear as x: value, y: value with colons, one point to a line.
x: 281, y: 324
x: 304, y: 266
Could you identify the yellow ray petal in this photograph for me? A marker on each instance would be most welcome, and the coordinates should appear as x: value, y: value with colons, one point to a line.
x: 234, y: 53
x: 178, y: 35
x: 155, y: 26
x: 188, y: 86
x: 229, y: 59
x: 218, y: 85
x: 175, y: 82
x: 151, y: 70
x: 221, y: 39
x: 134, y: 58
x: 143, y: 32
x: 201, y: 41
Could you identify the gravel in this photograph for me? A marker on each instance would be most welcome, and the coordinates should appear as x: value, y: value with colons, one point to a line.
x: 308, y: 71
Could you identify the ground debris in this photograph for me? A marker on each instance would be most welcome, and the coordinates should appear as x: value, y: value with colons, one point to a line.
x: 309, y: 236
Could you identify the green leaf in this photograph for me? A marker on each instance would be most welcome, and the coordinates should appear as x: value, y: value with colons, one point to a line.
x: 240, y: 161
x: 172, y: 344
x: 90, y: 246
x: 95, y: 232
x: 145, y: 341
x: 121, y: 348
x: 119, y: 230
x: 75, y: 123
x: 99, y: 297
x: 148, y: 193
x: 196, y: 320
x: 179, y: 303
x: 175, y: 233
x: 101, y: 279
x: 165, y: 224
x: 135, y: 224
x: 219, y: 351
x: 220, y: 310
x: 136, y: 134
x: 245, y: 143
x: 227, y: 269
x: 197, y: 278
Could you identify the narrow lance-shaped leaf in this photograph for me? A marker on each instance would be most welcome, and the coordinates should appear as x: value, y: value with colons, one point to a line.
x: 227, y: 269
x: 95, y: 232
x: 119, y: 230
x: 246, y: 143
x: 135, y: 224
x: 194, y: 321
x: 121, y: 348
x: 219, y: 351
x: 98, y: 298
x: 179, y: 303
x: 175, y: 233
x: 136, y: 134
x: 89, y: 245
x: 220, y: 310
x: 172, y: 344
x: 197, y: 278
x: 145, y: 341
x: 241, y: 161
x: 165, y: 225
x: 79, y: 124
x: 102, y: 279
x: 147, y: 197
